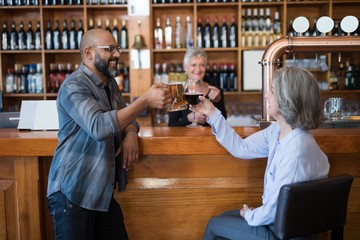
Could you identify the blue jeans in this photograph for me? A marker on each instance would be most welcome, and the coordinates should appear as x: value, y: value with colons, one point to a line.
x: 230, y: 225
x: 72, y: 222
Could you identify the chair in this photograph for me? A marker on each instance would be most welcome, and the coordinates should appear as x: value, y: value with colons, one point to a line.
x: 313, y: 207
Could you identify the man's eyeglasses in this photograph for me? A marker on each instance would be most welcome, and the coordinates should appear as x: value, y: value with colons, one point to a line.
x: 110, y: 49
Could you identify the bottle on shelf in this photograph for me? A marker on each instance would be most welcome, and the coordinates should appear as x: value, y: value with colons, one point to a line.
x: 24, y: 87
x: 207, y: 34
x: 216, y: 33
x: 5, y: 37
x: 31, y: 79
x: 164, y: 73
x: 13, y: 37
x: 38, y: 36
x: 199, y: 33
x: 158, y: 35
x: 277, y: 26
x: 107, y: 25
x: 49, y: 39
x: 224, y: 33
x: 39, y: 81
x: 233, y: 33
x: 115, y: 31
x: 56, y: 36
x: 157, y: 75
x: 18, y: 67
x: 79, y: 33
x: 340, y: 73
x: 124, y: 38
x: 99, y: 23
x: 65, y: 36
x: 349, y: 77
x: 22, y: 37
x: 291, y: 31
x: 232, y: 79
x: 10, y: 80
x: 178, y: 33
x: 333, y: 84
x: 30, y: 37
x: 168, y: 34
x: 72, y: 35
x: 91, y: 24
x: 215, y: 75
x: 261, y: 20
x: 126, y: 80
x: 189, y: 39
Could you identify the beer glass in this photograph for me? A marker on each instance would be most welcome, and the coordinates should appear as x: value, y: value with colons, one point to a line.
x: 333, y: 108
x: 178, y: 102
x: 193, y: 89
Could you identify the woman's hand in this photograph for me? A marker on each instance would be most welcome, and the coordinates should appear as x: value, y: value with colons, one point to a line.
x: 205, y: 107
x: 214, y: 94
x: 199, y: 118
x: 244, y: 210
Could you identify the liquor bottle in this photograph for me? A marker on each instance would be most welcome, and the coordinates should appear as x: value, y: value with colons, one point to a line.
x: 261, y: 20
x: 168, y: 34
x: 341, y: 76
x: 178, y: 34
x: 291, y: 31
x: 17, y: 82
x: 207, y: 34
x: 255, y: 21
x: 224, y: 34
x: 124, y: 38
x: 56, y: 36
x: 233, y: 33
x: 9, y: 80
x: 223, y: 76
x: 38, y: 36
x: 333, y: 84
x: 189, y: 40
x: 72, y: 35
x: 126, y: 80
x: 5, y: 38
x: 24, y: 88
x: 49, y: 38
x: 115, y: 31
x: 208, y: 77
x: 267, y: 20
x: 60, y: 75
x: 39, y: 81
x: 65, y: 36
x: 30, y: 37
x: 21, y: 37
x: 248, y: 25
x: 13, y: 37
x: 31, y: 79
x: 232, y: 78
x: 158, y: 35
x: 99, y: 24
x: 349, y: 77
x: 80, y: 33
x: 277, y: 26
x: 216, y: 33
x: 164, y: 74
x: 91, y: 24
x: 200, y: 33
x: 215, y: 75
x: 157, y: 75
x: 314, y: 31
x: 107, y: 25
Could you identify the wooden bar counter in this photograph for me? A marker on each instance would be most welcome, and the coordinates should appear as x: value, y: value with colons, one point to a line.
x: 183, y: 178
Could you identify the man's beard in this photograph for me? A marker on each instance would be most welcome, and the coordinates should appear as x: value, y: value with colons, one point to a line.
x: 101, y: 66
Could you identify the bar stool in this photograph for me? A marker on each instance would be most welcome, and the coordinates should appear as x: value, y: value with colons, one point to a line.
x: 313, y: 207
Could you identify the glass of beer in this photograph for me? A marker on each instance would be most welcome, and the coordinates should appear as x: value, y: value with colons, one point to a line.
x: 178, y: 102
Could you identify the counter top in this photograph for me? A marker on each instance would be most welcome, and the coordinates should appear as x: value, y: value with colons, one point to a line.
x: 168, y: 141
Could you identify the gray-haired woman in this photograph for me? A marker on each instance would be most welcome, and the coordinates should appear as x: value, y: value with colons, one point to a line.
x: 293, y: 154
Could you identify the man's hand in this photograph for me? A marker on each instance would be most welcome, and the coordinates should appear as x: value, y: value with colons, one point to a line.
x: 158, y: 96
x: 129, y: 150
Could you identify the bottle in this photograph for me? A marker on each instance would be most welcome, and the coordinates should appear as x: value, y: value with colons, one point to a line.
x: 9, y: 80
x: 341, y: 76
x: 126, y: 80
x: 199, y: 33
x: 255, y: 21
x: 49, y: 40
x: 207, y: 34
x: 99, y: 24
x: 178, y: 33
x: 115, y: 31
x: 72, y: 35
x: 333, y: 84
x: 30, y: 37
x: 13, y: 37
x: 207, y: 77
x: 91, y: 24
x: 107, y: 25
x: 79, y: 34
x: 65, y: 36
x: 216, y: 33
x: 267, y: 20
x: 24, y: 87
x: 157, y: 75
x: 38, y: 36
x: 261, y: 20
x: 158, y: 35
x: 215, y: 75
x: 168, y: 34
x: 56, y: 36
x: 22, y: 37
x: 189, y: 40
x: 314, y: 31
x: 5, y: 38
x: 349, y: 78
x: 233, y: 33
x: 31, y: 79
x: 164, y: 74
x: 38, y: 76
x: 277, y: 26
x: 124, y: 38
x: 17, y: 82
x: 224, y: 34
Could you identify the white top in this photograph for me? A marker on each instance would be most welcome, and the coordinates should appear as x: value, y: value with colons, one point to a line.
x: 295, y: 158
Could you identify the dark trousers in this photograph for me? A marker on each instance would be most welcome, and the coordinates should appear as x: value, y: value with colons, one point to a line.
x: 72, y: 222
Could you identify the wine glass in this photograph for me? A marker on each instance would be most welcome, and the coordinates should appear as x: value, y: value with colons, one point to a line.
x: 192, y: 90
